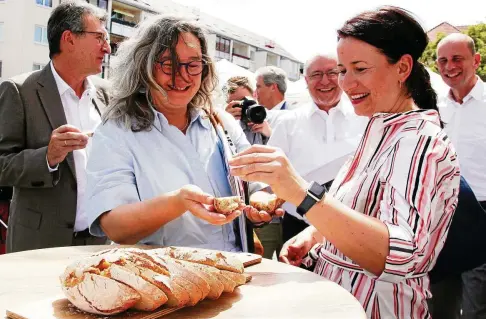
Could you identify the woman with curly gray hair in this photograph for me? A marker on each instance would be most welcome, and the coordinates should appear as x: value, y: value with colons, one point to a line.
x: 160, y: 157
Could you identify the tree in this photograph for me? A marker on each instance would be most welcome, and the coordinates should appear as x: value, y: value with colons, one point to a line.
x: 476, y: 32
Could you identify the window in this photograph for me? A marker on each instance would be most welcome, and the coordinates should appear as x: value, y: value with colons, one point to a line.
x: 37, y: 66
x: 223, y: 48
x: 40, y: 34
x: 103, y: 4
x: 44, y: 3
x: 1, y: 30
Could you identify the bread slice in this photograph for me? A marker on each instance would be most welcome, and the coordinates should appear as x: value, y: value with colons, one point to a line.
x: 228, y: 284
x: 177, y: 296
x: 265, y: 201
x: 215, y: 286
x: 239, y: 279
x: 111, y: 265
x: 207, y: 257
x: 227, y: 205
x: 152, y: 297
x: 101, y: 295
x: 193, y: 276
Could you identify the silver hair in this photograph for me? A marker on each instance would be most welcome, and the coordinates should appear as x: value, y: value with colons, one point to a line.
x: 328, y: 55
x: 69, y: 16
x: 133, y: 77
x: 273, y: 74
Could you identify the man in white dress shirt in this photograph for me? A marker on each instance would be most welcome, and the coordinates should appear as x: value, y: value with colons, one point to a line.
x: 463, y: 111
x: 318, y: 137
x: 46, y: 120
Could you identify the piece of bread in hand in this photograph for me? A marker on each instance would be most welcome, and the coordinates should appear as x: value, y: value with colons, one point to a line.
x: 227, y: 205
x: 265, y: 201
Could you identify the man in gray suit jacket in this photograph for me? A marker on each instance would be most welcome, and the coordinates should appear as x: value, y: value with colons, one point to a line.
x: 46, y: 120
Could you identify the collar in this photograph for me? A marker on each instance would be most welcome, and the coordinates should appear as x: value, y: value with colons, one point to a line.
x: 478, y: 92
x: 344, y: 106
x: 197, y: 115
x: 62, y: 86
x: 278, y: 106
x: 399, y: 118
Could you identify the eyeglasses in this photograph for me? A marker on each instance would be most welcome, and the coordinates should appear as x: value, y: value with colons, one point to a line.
x: 331, y: 74
x: 102, y: 37
x: 192, y: 68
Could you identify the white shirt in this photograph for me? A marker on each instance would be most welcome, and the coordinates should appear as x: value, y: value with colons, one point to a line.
x: 129, y: 167
x: 466, y: 126
x: 274, y: 114
x: 82, y: 114
x: 317, y: 143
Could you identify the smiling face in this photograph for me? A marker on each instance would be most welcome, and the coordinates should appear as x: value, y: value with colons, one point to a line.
x: 457, y: 64
x: 322, y: 81
x: 187, y: 81
x: 366, y: 76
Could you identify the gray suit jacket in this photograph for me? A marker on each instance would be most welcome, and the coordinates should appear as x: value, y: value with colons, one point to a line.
x: 43, y: 208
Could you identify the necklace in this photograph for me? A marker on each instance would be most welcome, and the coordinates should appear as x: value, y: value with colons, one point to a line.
x: 187, y: 124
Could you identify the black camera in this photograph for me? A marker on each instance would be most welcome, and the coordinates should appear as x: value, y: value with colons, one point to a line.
x: 251, y: 111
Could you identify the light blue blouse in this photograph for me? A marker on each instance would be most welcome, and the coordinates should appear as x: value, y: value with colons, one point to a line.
x: 126, y: 167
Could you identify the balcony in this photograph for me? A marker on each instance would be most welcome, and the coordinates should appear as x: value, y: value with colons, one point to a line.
x: 120, y: 27
x: 241, y: 61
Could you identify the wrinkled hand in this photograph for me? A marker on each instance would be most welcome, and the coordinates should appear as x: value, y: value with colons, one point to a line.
x: 269, y: 165
x: 64, y: 139
x: 263, y: 128
x: 235, y: 111
x: 200, y: 204
x: 295, y: 249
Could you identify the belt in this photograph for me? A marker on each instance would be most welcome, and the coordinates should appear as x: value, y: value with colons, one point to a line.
x: 82, y: 234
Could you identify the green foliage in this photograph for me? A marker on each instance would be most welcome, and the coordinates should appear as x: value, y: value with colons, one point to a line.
x: 477, y: 32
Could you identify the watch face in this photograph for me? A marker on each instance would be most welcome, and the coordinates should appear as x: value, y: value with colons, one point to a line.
x: 317, y: 190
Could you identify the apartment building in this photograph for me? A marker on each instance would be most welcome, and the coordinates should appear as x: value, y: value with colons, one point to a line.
x: 23, y: 35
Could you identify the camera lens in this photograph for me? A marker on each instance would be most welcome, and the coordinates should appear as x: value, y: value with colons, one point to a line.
x: 256, y: 114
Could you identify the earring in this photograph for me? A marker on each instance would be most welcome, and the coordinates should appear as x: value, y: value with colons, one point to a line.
x: 400, y: 83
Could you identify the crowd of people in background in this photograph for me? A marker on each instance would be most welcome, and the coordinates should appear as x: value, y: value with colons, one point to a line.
x: 382, y: 181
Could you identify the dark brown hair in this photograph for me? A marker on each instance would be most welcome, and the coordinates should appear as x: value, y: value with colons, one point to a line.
x: 395, y: 33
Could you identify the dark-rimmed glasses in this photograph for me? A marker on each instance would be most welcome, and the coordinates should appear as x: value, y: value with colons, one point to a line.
x: 192, y: 68
x: 102, y: 37
x: 331, y: 74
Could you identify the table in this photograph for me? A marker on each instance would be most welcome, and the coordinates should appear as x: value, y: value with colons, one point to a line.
x: 277, y: 290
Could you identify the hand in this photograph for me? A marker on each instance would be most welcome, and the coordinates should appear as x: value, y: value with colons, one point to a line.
x: 263, y: 128
x: 295, y: 249
x: 200, y: 204
x: 264, y: 206
x: 235, y: 111
x: 258, y: 217
x: 270, y: 165
x: 64, y: 139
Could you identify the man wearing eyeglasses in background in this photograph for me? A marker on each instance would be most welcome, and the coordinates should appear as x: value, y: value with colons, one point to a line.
x: 318, y: 137
x: 46, y: 120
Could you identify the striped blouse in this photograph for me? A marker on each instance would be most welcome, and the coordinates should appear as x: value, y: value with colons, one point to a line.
x: 406, y: 174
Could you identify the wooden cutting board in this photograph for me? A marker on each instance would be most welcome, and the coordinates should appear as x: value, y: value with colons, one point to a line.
x: 58, y: 307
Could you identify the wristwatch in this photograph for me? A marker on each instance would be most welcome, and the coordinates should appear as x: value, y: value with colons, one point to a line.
x: 314, y: 194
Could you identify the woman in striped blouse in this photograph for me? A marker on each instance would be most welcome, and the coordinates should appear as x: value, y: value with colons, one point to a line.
x: 379, y: 229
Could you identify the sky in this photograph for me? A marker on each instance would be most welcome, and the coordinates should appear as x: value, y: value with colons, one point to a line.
x: 305, y: 27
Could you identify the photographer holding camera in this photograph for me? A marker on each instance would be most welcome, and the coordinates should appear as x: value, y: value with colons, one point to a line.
x: 247, y: 111
x: 256, y: 121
